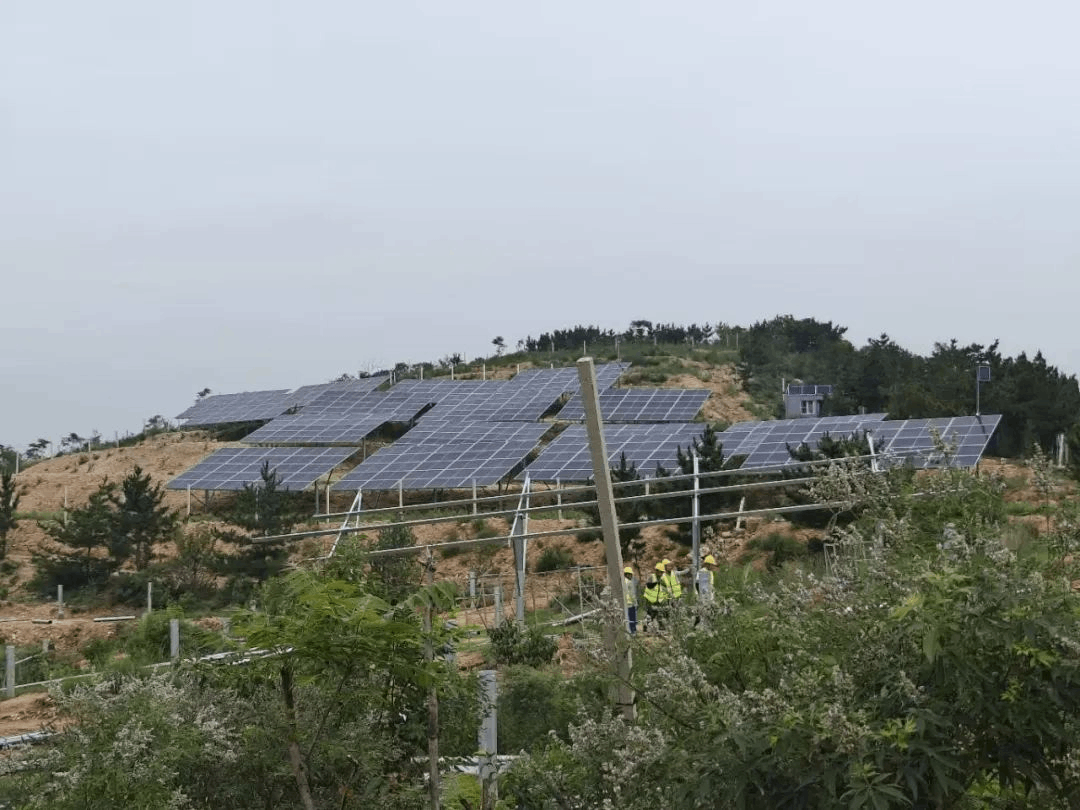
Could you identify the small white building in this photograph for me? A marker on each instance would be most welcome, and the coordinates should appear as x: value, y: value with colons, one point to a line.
x: 805, y: 400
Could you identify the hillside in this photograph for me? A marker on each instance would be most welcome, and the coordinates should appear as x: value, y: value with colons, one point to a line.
x: 49, y: 485
x: 70, y: 479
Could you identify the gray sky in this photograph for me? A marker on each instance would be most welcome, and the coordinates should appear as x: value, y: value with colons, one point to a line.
x: 252, y: 194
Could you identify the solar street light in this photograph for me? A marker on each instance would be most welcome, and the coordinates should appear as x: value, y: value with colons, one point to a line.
x: 982, y: 374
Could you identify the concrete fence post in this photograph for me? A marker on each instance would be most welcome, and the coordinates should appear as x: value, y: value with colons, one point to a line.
x: 174, y: 639
x: 9, y: 670
x: 488, y: 742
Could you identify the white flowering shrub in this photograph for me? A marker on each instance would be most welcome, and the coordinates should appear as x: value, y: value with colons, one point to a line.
x: 160, y: 741
x: 926, y: 675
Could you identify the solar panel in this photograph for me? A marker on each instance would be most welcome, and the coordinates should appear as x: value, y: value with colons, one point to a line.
x: 469, y: 403
x: 304, y: 429
x: 533, y: 391
x: 308, y: 393
x: 766, y: 443
x: 446, y: 455
x: 248, y: 406
x: 567, y: 458
x: 232, y: 467
x: 809, y: 390
x: 912, y: 439
x: 642, y: 405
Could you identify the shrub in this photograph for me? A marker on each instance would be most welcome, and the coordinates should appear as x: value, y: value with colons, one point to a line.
x: 779, y: 546
x: 483, y: 530
x: 510, y: 646
x: 554, y: 559
x: 536, y: 706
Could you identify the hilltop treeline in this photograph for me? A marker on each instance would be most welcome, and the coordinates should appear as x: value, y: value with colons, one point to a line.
x: 1036, y: 399
x: 573, y: 338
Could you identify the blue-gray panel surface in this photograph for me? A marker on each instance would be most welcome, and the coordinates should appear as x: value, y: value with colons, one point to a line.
x: 642, y: 405
x: 567, y: 458
x: 249, y: 406
x: 450, y: 455
x: 232, y: 467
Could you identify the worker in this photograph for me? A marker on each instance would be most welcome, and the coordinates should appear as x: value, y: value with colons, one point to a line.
x: 655, y: 597
x: 670, y: 580
x: 707, y: 578
x: 630, y: 588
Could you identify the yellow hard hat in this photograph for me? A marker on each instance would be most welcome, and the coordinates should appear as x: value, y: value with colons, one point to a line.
x: 666, y: 561
x: 710, y: 559
x: 628, y: 570
x: 660, y: 566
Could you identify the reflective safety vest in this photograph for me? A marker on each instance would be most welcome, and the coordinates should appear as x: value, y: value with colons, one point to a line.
x: 672, y: 585
x: 630, y: 591
x: 654, y: 594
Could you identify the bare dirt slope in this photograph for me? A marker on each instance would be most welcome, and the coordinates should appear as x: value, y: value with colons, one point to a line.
x: 727, y: 401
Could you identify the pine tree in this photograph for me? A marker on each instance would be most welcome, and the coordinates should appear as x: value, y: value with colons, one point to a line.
x: 9, y: 503
x: 141, y: 519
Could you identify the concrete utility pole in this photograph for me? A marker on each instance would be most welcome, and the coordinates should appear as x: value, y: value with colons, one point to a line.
x: 433, y: 696
x: 615, y: 635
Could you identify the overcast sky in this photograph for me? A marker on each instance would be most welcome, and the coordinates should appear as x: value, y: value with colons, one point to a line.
x: 247, y: 194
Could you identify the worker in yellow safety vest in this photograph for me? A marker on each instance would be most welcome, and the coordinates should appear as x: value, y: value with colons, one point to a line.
x: 655, y: 596
x: 669, y: 580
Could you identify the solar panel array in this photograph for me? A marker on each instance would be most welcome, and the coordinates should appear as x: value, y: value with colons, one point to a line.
x: 444, y: 455
x: 567, y: 458
x: 248, y: 406
x: 765, y: 444
x: 232, y: 467
x: 913, y: 440
x: 642, y: 405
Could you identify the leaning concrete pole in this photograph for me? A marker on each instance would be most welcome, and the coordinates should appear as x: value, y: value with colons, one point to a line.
x: 615, y: 635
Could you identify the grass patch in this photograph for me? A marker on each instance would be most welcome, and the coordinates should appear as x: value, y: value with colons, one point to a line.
x: 40, y: 516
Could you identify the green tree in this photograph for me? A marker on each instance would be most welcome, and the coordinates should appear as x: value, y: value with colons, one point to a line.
x: 141, y: 520
x: 394, y: 577
x: 81, y: 555
x: 37, y: 449
x: 370, y: 655
x: 629, y: 536
x: 264, y: 508
x: 710, y: 453
x: 72, y: 442
x: 9, y: 504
